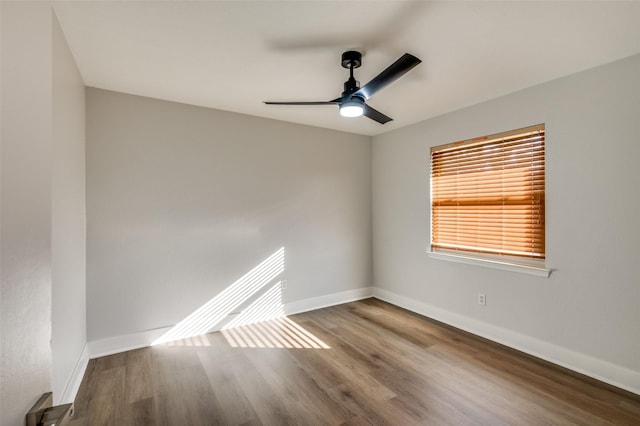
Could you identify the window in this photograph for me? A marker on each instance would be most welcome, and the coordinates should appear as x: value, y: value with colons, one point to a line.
x: 487, y: 196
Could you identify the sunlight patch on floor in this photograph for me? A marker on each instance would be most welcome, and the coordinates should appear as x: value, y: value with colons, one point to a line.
x: 281, y: 332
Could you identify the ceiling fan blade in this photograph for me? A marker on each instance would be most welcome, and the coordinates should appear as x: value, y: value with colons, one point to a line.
x: 388, y: 76
x: 375, y: 115
x: 303, y: 103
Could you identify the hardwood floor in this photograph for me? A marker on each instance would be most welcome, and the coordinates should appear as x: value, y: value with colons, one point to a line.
x: 365, y: 362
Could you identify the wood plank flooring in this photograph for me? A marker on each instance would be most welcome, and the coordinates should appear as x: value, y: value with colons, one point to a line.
x: 364, y: 362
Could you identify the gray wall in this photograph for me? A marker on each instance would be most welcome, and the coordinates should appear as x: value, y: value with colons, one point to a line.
x: 182, y: 201
x: 25, y: 207
x: 42, y: 210
x: 586, y: 315
x: 68, y: 312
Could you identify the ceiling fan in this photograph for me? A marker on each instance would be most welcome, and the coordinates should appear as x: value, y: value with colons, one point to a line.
x: 353, y: 100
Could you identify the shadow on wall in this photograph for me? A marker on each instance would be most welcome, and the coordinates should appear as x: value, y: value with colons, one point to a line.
x: 249, y: 315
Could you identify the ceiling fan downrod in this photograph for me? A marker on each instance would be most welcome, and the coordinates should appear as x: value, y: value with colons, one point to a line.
x: 351, y: 60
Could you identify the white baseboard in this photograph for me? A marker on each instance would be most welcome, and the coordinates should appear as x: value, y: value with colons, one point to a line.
x: 125, y: 342
x: 320, y: 302
x: 116, y: 344
x: 604, y: 371
x: 73, y: 384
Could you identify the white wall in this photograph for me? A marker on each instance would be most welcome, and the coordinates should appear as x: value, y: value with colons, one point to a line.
x: 182, y: 201
x: 68, y: 220
x: 25, y: 207
x: 586, y: 315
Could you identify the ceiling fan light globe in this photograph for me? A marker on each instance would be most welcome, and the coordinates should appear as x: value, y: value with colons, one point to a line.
x: 351, y: 109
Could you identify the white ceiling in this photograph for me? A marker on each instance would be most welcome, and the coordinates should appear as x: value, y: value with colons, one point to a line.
x: 233, y: 55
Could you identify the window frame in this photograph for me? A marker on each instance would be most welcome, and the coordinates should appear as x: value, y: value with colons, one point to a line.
x: 527, y: 265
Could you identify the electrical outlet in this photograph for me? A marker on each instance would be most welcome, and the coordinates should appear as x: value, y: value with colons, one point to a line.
x: 482, y: 299
x: 283, y: 284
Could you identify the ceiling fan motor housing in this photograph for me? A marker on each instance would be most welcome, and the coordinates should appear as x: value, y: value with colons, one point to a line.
x: 350, y: 86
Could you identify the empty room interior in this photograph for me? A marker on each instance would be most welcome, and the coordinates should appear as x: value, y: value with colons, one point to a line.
x: 320, y: 212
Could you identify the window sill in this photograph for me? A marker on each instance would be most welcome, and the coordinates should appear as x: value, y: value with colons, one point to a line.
x: 506, y: 266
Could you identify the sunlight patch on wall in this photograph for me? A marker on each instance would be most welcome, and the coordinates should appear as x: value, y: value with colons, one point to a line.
x: 205, y: 318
